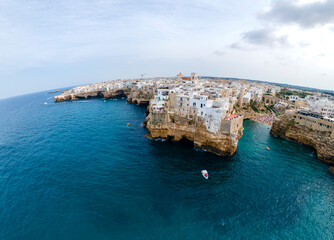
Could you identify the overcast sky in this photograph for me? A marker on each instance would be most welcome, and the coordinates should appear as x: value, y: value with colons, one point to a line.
x: 54, y: 44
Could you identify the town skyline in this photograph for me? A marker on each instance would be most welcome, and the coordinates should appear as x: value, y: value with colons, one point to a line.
x: 281, y: 84
x: 47, y: 45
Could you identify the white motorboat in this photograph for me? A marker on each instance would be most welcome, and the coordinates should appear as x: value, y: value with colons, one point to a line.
x: 205, y: 174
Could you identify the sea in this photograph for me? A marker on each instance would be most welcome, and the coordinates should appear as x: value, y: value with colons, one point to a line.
x: 78, y: 170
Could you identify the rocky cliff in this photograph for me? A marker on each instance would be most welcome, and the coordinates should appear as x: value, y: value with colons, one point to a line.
x: 220, y: 144
x: 139, y: 97
x: 160, y: 125
x: 69, y: 96
x: 320, y: 141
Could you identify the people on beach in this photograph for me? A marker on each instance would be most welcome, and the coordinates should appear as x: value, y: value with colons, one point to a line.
x: 266, y: 119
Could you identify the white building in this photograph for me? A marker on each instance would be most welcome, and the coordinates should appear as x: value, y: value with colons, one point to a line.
x: 323, y: 106
x: 162, y: 94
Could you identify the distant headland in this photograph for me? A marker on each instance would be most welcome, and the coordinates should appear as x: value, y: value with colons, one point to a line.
x: 55, y: 91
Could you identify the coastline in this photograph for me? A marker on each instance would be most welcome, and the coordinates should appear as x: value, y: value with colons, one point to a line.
x: 169, y: 117
x: 171, y: 124
x: 322, y: 142
x: 100, y: 158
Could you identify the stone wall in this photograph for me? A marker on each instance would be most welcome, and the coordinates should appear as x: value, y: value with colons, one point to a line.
x: 313, y: 123
x: 231, y: 126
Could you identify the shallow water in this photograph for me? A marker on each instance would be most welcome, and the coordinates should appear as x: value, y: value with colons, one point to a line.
x: 75, y: 170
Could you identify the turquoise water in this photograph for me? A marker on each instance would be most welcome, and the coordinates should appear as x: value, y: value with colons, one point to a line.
x: 75, y: 170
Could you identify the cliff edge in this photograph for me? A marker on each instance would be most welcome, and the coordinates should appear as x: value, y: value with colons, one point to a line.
x: 322, y: 142
x: 181, y: 128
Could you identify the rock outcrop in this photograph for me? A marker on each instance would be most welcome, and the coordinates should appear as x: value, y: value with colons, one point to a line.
x: 320, y: 141
x: 69, y: 96
x: 218, y: 143
x: 139, y: 96
x: 331, y: 170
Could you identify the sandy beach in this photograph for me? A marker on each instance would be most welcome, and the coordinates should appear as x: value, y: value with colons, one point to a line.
x: 265, y: 119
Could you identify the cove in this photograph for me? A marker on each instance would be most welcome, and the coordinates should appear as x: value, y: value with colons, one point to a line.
x: 75, y: 170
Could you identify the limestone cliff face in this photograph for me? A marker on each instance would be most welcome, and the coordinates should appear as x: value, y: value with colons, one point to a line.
x: 220, y: 144
x: 139, y: 97
x: 320, y: 141
x: 68, y: 96
x: 103, y: 90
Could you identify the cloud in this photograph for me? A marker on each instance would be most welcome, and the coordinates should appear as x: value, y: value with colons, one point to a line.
x: 219, y: 53
x: 304, y: 15
x: 303, y: 44
x: 71, y: 31
x: 264, y: 36
x: 241, y: 45
x: 236, y: 45
x: 260, y: 37
x: 121, y: 38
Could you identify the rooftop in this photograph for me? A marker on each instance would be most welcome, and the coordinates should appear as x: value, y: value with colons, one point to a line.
x: 232, y: 116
